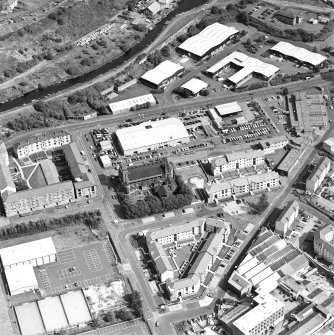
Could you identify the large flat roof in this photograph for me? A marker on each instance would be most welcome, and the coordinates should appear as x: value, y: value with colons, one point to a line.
x: 27, y: 251
x: 229, y: 108
x: 21, y: 278
x: 195, y: 85
x: 151, y: 133
x: 132, y: 102
x: 248, y: 64
x: 163, y: 71
x: 210, y: 37
x: 29, y: 319
x: 301, y: 54
x: 6, y: 179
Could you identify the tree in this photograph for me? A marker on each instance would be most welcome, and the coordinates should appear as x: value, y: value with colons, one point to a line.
x: 109, y: 317
x: 123, y: 315
x: 136, y: 303
x: 230, y: 7
x: 214, y: 10
x: 165, y: 51
x: 248, y: 42
x: 315, y: 49
x: 285, y: 91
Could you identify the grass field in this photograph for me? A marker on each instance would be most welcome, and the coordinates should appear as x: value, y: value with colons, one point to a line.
x: 27, y: 171
x: 37, y: 179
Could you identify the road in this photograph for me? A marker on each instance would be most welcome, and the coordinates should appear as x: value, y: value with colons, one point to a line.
x: 172, y: 109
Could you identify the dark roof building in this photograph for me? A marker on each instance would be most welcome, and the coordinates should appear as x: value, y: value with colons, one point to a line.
x: 289, y: 16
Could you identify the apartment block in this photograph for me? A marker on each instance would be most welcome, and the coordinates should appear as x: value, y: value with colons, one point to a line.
x: 270, y: 145
x: 323, y: 243
x: 286, y: 218
x: 241, y: 186
x: 44, y: 141
x: 328, y: 145
x: 318, y: 174
x: 236, y: 160
x: 38, y: 199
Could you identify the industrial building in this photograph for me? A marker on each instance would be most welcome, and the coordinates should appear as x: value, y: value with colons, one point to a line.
x: 267, y: 313
x: 242, y: 185
x: 307, y: 112
x: 231, y: 108
x: 318, y: 174
x: 235, y: 161
x: 152, y: 175
x: 127, y: 105
x: 45, y: 141
x: 269, y: 259
x: 287, y: 217
x: 289, y: 16
x: 83, y: 181
x: 194, y: 87
x: 151, y: 135
x: 36, y: 199
x: 18, y: 262
x: 152, y: 9
x: 270, y: 145
x: 328, y: 145
x: 290, y: 160
x: 297, y: 54
x: 323, y: 243
x: 216, y: 233
x: 162, y: 74
x: 246, y: 67
x: 211, y: 39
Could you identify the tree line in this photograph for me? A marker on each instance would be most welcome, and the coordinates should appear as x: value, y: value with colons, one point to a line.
x: 152, y: 204
x: 92, y: 219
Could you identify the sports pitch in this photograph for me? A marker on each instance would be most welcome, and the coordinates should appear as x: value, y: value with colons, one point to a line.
x: 78, y: 267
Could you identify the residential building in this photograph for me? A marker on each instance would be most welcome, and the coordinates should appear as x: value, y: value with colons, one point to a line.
x: 328, y: 145
x: 37, y: 199
x: 194, y: 87
x: 83, y: 181
x: 289, y: 16
x: 247, y: 67
x: 143, y: 101
x: 318, y: 174
x: 7, y: 185
x: 216, y: 233
x: 152, y: 9
x: 210, y: 40
x: 323, y: 243
x: 243, y: 185
x: 287, y: 217
x: 299, y: 55
x: 270, y: 145
x: 267, y: 313
x: 3, y: 153
x: 157, y: 173
x: 162, y: 74
x: 44, y: 141
x: 236, y: 160
x: 151, y: 135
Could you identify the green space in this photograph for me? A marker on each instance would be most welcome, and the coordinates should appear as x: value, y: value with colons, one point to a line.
x: 27, y: 171
x: 182, y: 254
x: 37, y: 179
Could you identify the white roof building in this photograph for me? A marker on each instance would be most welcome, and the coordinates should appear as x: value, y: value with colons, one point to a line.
x: 105, y: 160
x: 126, y: 105
x: 301, y: 54
x: 208, y: 39
x: 21, y: 279
x: 328, y: 145
x: 229, y: 108
x: 194, y: 85
x: 249, y: 65
x: 37, y: 252
x: 162, y: 72
x: 152, y: 134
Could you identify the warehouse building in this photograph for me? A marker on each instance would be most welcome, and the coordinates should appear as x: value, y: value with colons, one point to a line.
x: 290, y: 160
x: 152, y: 135
x: 231, y: 108
x: 127, y: 105
x: 211, y: 39
x: 287, y: 217
x: 162, y: 74
x: 194, y: 87
x: 247, y: 67
x: 44, y: 141
x: 318, y: 174
x: 289, y: 16
x: 297, y: 54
